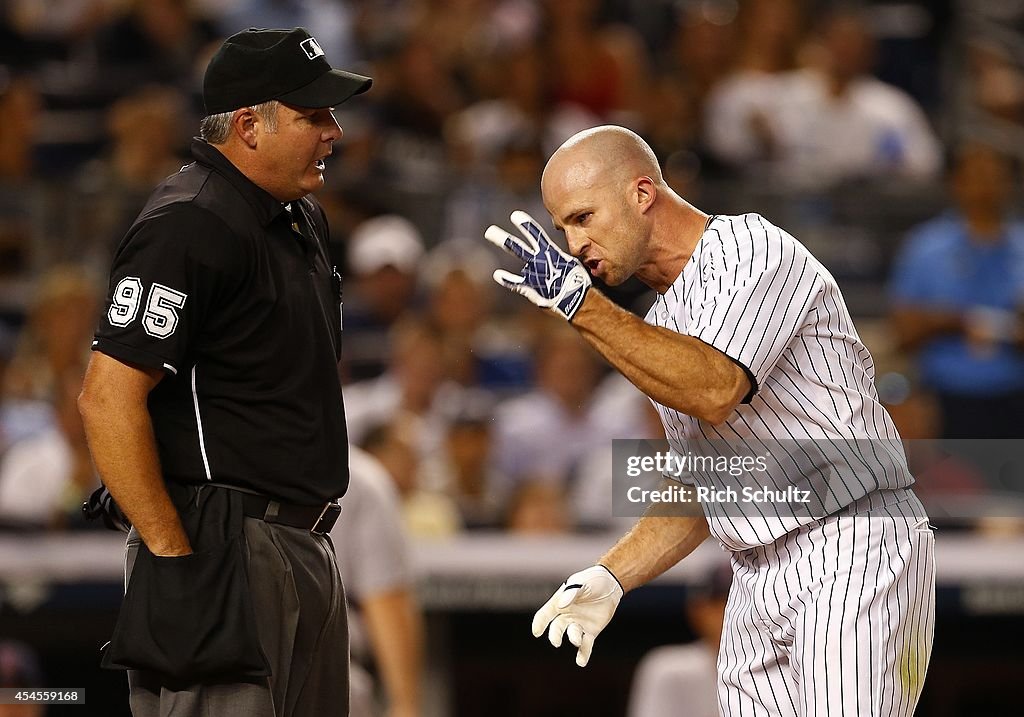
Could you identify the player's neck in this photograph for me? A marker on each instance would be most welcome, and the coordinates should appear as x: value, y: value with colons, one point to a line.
x: 674, y: 237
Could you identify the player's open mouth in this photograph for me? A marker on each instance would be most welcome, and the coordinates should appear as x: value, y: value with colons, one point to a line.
x: 592, y: 265
x: 319, y: 164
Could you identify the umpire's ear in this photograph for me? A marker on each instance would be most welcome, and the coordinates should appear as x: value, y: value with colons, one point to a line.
x: 645, y: 192
x: 246, y: 125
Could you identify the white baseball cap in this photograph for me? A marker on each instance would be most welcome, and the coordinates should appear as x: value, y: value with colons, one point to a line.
x: 388, y: 240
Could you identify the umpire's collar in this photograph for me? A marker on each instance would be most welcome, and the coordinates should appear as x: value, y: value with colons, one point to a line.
x: 266, y: 207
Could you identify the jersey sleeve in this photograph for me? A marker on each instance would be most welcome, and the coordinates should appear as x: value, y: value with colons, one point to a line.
x: 168, y: 273
x: 757, y: 286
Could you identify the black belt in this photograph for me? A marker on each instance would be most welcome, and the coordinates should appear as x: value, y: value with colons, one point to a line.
x: 314, y: 518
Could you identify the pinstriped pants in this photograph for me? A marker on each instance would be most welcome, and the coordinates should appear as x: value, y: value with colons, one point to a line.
x: 836, y: 618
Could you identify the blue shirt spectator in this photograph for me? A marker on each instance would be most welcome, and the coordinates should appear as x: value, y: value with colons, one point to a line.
x: 957, y: 293
x: 942, y: 267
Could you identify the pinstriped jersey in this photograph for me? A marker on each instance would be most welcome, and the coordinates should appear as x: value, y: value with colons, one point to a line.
x: 756, y: 294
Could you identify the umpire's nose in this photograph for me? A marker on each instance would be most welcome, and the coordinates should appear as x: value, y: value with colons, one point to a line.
x: 333, y: 131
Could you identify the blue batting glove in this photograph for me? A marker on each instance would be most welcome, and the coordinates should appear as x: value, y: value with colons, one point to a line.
x: 551, y: 278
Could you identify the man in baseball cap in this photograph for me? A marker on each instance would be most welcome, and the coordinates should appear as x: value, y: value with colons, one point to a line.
x: 254, y: 66
x: 213, y: 403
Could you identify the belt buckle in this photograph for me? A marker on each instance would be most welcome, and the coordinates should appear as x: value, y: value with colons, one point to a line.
x: 328, y: 517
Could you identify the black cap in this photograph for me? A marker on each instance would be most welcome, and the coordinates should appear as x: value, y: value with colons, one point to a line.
x: 255, y: 66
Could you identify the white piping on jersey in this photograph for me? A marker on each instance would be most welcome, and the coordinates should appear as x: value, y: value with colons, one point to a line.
x: 199, y: 426
x: 171, y: 369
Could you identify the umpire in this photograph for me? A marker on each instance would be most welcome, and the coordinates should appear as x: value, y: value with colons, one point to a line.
x: 213, y: 405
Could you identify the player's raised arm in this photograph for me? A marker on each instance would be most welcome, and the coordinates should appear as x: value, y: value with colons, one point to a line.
x: 676, y: 370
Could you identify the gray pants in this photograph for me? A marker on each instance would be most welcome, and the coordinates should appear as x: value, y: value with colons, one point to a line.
x: 299, y: 603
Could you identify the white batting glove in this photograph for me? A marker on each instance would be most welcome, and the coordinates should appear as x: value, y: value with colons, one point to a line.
x: 551, y: 278
x: 581, y: 608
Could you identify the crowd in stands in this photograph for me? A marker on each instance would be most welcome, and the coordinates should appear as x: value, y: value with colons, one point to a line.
x: 486, y: 413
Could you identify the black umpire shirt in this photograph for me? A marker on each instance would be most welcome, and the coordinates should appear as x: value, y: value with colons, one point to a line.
x: 231, y: 293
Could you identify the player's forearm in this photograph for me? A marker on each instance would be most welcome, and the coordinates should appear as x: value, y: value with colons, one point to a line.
x: 396, y: 634
x: 676, y: 370
x: 120, y: 435
x: 652, y: 546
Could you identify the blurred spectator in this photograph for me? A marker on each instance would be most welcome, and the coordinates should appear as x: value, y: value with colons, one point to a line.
x: 914, y: 411
x: 16, y: 48
x: 46, y: 471
x: 668, y: 118
x: 862, y: 127
x: 515, y: 106
x: 703, y: 47
x: 542, y: 435
x: 414, y: 97
x: 602, y: 68
x: 145, y: 139
x: 385, y: 623
x: 510, y: 184
x: 54, y: 28
x: 458, y: 304
x: 7, y: 342
x: 744, y: 106
x: 414, y: 390
x: 995, y: 81
x: 45, y: 478
x: 829, y: 123
x: 457, y: 29
x: 19, y: 668
x: 682, y: 171
x: 20, y: 105
x: 592, y: 497
x: 152, y: 41
x: 20, y: 208
x: 956, y: 293
x: 538, y: 508
x: 145, y: 135
x: 54, y: 342
x: 384, y: 254
x: 19, y: 418
x: 681, y: 679
x: 426, y: 513
x: 479, y: 349
x: 327, y: 20
x: 469, y: 466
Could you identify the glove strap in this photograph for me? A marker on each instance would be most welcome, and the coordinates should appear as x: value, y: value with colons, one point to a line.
x: 614, y: 577
x: 572, y: 302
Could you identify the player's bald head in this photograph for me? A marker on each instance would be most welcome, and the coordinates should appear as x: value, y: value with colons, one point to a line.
x: 599, y: 155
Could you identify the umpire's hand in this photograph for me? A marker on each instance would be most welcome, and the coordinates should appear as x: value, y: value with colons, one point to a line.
x: 550, y: 278
x: 581, y: 608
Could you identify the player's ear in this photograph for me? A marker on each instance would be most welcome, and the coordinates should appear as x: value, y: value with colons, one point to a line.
x: 646, y: 193
x: 244, y: 122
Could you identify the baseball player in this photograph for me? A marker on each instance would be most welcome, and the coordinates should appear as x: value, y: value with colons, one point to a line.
x: 749, y: 340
